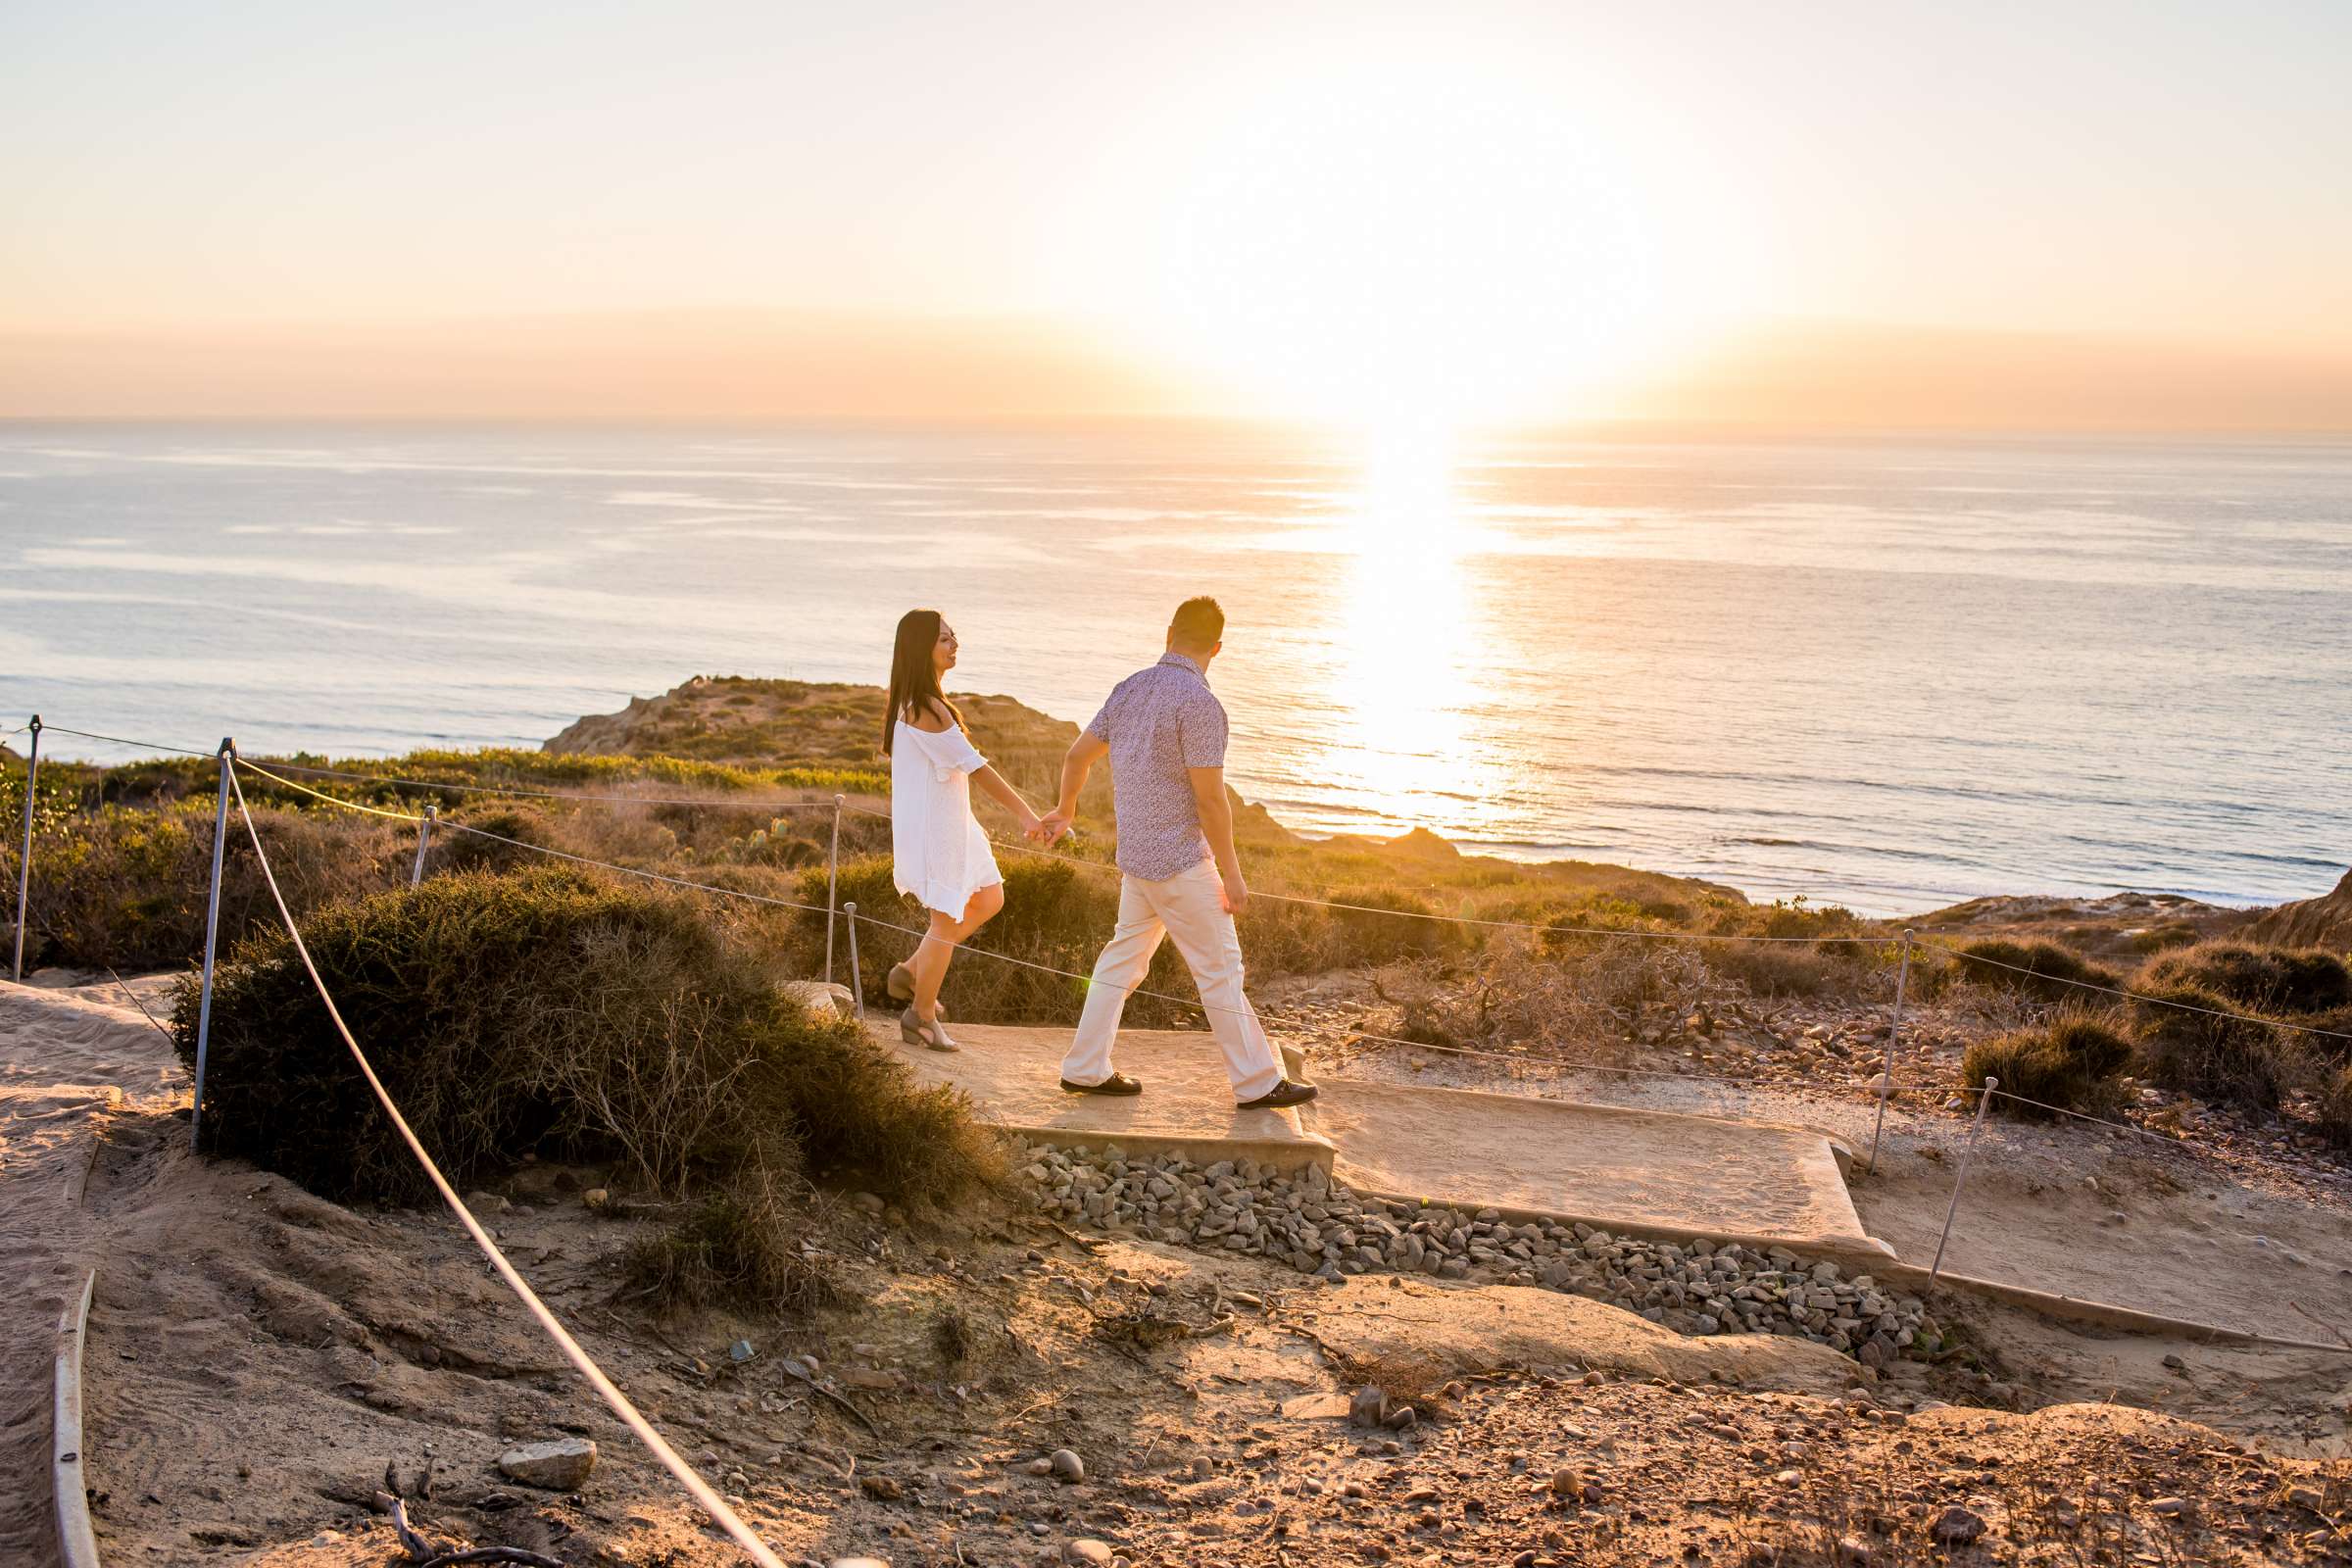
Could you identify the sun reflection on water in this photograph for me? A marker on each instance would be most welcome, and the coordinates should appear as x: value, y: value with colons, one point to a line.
x: 1403, y: 678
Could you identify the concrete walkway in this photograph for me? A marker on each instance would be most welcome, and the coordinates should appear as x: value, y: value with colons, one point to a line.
x: 1639, y: 1172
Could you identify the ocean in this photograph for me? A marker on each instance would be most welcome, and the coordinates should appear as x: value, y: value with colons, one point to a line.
x: 1889, y: 672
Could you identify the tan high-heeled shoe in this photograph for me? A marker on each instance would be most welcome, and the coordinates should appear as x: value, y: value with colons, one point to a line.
x: 899, y: 983
x: 930, y: 1036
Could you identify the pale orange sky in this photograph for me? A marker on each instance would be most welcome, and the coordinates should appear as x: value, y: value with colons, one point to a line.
x: 2108, y: 215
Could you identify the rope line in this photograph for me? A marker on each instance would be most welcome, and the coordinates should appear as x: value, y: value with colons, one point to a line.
x: 709, y: 1501
x: 1465, y: 919
x: 1671, y: 936
x: 1515, y: 1059
x: 655, y: 1443
x: 156, y: 746
x: 2134, y: 996
x: 331, y: 800
x: 2083, y: 1115
x: 549, y: 795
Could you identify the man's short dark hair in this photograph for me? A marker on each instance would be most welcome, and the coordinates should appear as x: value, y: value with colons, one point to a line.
x: 1197, y: 624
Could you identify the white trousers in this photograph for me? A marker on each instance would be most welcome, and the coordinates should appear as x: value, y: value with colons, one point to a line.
x: 1190, y: 907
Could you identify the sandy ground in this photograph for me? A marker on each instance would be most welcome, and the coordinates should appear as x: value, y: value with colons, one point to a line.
x: 68, y: 1067
x: 259, y: 1357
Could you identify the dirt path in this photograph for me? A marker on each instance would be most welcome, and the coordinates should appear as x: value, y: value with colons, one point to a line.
x: 67, y: 1065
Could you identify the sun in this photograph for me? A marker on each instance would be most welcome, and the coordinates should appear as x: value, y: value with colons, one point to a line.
x: 1410, y: 243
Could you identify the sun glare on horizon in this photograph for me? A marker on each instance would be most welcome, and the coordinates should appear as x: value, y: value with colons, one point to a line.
x: 1417, y: 245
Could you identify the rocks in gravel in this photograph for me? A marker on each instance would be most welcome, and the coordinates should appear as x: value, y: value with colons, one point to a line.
x: 880, y: 1487
x: 1369, y: 1408
x: 1087, y: 1549
x: 1956, y: 1527
x: 1307, y: 1222
x: 1065, y: 1465
x: 561, y: 1465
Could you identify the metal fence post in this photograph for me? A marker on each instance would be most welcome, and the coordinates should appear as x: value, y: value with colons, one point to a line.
x: 1967, y: 1151
x: 33, y: 777
x: 857, y: 984
x: 424, y: 836
x: 212, y: 933
x: 1895, y: 1038
x: 832, y: 879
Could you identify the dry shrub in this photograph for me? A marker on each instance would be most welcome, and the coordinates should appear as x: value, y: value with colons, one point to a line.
x: 2161, y: 937
x: 953, y: 1337
x: 126, y: 887
x: 1779, y: 969
x: 2332, y: 1040
x: 557, y: 1013
x: 2335, y: 1107
x: 2243, y: 1062
x: 503, y: 842
x: 743, y: 1246
x: 1360, y: 937
x: 2285, y: 980
x: 2070, y: 1062
x: 1519, y: 993
x: 2040, y: 970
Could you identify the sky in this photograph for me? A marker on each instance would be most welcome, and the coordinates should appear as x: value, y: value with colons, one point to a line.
x: 1383, y: 213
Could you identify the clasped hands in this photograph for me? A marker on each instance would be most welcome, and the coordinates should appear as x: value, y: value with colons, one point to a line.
x: 1046, y: 829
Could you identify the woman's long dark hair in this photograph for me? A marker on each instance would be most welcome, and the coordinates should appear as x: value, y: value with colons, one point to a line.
x: 913, y: 677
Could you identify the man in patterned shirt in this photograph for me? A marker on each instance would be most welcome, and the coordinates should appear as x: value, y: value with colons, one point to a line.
x: 1164, y: 732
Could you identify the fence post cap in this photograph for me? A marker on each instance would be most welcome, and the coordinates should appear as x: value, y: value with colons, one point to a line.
x: 36, y: 725
x: 228, y: 746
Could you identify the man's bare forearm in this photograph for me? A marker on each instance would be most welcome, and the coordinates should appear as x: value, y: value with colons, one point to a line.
x: 1216, y: 823
x: 1074, y: 771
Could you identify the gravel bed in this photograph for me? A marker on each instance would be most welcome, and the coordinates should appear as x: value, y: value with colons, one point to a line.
x: 1317, y: 1227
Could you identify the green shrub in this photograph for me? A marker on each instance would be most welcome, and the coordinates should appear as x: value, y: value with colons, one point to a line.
x: 2232, y: 1060
x: 2040, y: 970
x: 553, y: 1012
x: 2070, y: 1062
x: 2285, y: 980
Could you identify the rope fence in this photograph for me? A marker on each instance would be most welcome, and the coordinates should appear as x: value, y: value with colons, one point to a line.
x: 836, y: 914
x: 709, y: 1501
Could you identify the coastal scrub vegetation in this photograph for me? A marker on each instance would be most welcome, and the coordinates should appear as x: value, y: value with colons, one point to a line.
x: 2041, y: 970
x: 2289, y: 981
x: 557, y: 1014
x: 2072, y: 1063
x: 121, y: 855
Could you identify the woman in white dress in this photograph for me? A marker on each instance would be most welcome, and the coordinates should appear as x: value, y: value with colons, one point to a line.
x: 939, y: 853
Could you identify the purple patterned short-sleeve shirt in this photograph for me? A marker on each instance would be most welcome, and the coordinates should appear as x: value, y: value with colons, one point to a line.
x: 1160, y: 723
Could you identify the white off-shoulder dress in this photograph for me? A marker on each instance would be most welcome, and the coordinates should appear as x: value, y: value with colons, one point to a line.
x: 939, y: 853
